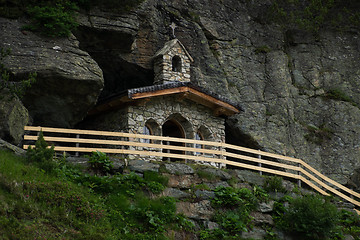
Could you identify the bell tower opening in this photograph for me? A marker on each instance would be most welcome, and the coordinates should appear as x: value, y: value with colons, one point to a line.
x: 176, y: 64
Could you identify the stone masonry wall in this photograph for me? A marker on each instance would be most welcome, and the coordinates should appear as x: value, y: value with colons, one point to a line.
x: 191, y: 116
x: 163, y: 67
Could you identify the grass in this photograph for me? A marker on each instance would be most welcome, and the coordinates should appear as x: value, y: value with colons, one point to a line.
x: 37, y: 205
x: 69, y: 204
x: 339, y: 95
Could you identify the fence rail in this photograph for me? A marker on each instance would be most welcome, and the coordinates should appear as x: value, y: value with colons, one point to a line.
x: 212, y: 152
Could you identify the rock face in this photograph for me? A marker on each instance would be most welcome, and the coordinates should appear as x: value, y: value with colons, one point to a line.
x: 282, y: 79
x: 68, y: 79
x: 300, y: 93
x: 13, y: 117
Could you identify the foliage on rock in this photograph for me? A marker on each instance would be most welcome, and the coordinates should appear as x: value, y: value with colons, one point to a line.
x: 57, y: 18
x: 15, y: 88
x: 53, y: 18
x: 311, y: 15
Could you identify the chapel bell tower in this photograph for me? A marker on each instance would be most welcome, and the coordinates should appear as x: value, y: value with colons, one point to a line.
x: 172, y: 63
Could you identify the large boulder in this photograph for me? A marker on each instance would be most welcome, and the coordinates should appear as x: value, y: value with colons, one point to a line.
x: 10, y: 147
x: 13, y: 117
x: 68, y: 82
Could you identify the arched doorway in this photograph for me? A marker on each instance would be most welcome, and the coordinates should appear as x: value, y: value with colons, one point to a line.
x: 171, y: 128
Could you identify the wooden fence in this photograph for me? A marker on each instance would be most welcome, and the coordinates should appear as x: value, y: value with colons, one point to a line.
x: 74, y: 140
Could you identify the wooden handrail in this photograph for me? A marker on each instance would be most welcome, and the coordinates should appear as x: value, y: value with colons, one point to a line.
x: 213, y: 152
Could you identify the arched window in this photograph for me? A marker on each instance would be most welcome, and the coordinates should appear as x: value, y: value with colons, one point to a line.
x: 176, y: 64
x: 151, y: 128
x: 198, y: 136
x: 147, y: 131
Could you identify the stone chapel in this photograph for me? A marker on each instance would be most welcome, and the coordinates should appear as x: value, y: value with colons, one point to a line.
x: 173, y: 106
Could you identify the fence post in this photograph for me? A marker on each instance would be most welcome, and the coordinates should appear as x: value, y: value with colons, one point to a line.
x: 259, y: 164
x: 168, y: 150
x: 299, y: 181
x: 77, y: 145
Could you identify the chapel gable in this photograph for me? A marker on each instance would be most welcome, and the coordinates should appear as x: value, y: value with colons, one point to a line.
x: 172, y: 63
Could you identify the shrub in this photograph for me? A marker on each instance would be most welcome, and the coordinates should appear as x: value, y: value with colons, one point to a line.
x: 155, y: 182
x: 260, y: 194
x: 151, y: 176
x: 233, y: 198
x: 155, y: 187
x: 310, y: 217
x: 274, y: 184
x: 350, y: 222
x: 206, y: 175
x: 53, y: 19
x: 312, y: 15
x: 231, y: 222
x: 99, y: 162
x: 41, y: 154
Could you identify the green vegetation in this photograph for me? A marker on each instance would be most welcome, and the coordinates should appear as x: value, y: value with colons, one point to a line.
x: 57, y: 18
x: 350, y: 223
x: 205, y: 175
x: 311, y: 15
x: 42, y: 197
x: 318, y: 135
x: 233, y: 213
x: 234, y: 197
x: 15, y: 88
x: 37, y: 205
x: 311, y: 217
x: 52, y: 18
x: 41, y: 155
x: 339, y: 95
x: 262, y: 49
x: 100, y: 163
x: 274, y: 184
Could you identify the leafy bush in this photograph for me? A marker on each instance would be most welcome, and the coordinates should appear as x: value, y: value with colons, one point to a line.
x: 54, y: 19
x: 232, y: 197
x: 144, y: 218
x: 231, y: 224
x: 274, y: 184
x: 99, y: 162
x: 41, y: 154
x: 310, y: 217
x: 350, y: 223
x: 261, y: 194
x: 155, y: 187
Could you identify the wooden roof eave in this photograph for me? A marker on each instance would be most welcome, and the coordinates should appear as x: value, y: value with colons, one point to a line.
x: 219, y: 107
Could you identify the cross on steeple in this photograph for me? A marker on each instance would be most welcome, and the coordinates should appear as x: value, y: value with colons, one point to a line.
x: 173, y: 26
